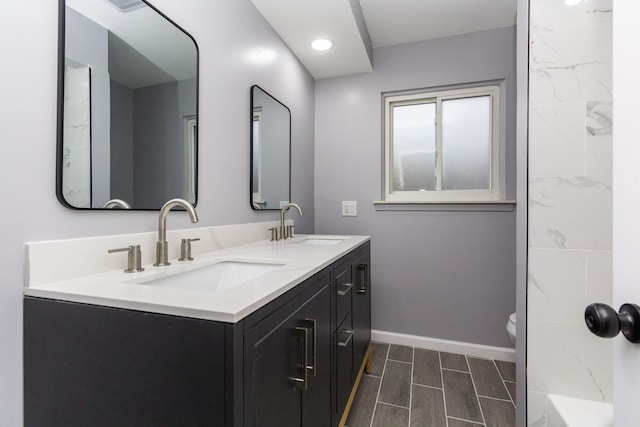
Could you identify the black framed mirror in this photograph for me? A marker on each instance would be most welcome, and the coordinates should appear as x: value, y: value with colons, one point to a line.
x: 270, y: 131
x: 127, y: 107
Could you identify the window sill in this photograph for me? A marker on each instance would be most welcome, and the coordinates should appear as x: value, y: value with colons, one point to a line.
x: 450, y: 206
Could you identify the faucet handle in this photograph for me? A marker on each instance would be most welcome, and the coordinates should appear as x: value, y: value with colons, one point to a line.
x: 134, y: 258
x: 274, y: 234
x: 185, y: 249
x: 290, y: 231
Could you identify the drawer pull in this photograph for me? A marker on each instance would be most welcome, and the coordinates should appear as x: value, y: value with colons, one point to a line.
x: 344, y: 289
x: 349, y: 335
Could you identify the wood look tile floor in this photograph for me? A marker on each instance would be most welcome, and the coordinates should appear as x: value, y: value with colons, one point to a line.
x: 413, y: 387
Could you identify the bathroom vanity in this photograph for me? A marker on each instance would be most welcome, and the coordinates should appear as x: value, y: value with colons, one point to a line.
x: 289, y: 355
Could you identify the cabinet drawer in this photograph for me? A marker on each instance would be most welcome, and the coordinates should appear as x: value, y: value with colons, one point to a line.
x: 344, y: 291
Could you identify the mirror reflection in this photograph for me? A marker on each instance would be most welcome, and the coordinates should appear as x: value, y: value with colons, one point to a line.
x: 127, y: 136
x: 270, y: 151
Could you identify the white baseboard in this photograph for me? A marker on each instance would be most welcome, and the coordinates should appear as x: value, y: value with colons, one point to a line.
x: 470, y: 349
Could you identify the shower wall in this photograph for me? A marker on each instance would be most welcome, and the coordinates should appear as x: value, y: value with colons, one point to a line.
x: 570, y: 200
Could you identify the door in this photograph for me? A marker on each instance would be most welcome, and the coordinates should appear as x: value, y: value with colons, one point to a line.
x: 272, y: 368
x: 626, y: 202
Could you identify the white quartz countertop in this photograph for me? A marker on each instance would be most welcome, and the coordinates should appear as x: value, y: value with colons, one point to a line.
x: 296, y: 261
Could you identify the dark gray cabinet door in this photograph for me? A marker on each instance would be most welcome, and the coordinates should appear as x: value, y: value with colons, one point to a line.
x: 288, y: 362
x: 273, y: 360
x: 316, y: 400
x: 361, y: 310
x: 87, y: 365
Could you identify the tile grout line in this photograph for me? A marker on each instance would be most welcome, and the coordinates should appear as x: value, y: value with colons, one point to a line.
x: 467, y: 421
x: 513, y: 400
x: 384, y: 367
x: 504, y: 383
x: 475, y: 391
x: 394, y: 405
x: 427, y: 386
x: 444, y: 398
x: 401, y: 361
x: 456, y: 370
x: 495, y: 398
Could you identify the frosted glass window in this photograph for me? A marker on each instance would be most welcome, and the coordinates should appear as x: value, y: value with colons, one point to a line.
x: 414, y: 147
x: 443, y: 145
x: 466, y: 143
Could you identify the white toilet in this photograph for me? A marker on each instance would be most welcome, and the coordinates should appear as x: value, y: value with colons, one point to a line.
x: 511, y: 327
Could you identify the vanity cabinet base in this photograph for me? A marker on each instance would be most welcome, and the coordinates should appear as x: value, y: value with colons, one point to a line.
x: 102, y: 366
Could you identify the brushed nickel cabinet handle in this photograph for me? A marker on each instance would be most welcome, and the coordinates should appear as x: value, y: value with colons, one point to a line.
x: 314, y: 342
x: 346, y: 287
x: 302, y: 383
x: 349, y: 334
x: 365, y: 279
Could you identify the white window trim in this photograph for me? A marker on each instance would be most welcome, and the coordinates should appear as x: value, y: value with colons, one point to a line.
x: 495, y: 193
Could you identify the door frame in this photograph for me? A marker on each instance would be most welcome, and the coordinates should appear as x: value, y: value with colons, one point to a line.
x: 522, y: 195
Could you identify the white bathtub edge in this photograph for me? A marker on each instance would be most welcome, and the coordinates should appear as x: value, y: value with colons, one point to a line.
x: 564, y: 411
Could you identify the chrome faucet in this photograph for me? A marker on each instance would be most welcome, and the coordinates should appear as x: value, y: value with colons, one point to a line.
x: 287, y: 232
x: 162, y: 257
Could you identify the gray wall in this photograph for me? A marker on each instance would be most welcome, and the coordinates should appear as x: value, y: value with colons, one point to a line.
x: 227, y: 32
x: 147, y: 142
x: 448, y: 275
x: 157, y: 151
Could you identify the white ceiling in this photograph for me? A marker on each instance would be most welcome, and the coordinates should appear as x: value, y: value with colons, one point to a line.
x: 389, y: 22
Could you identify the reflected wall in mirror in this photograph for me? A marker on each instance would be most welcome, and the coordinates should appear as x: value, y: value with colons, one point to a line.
x: 127, y: 107
x: 270, y: 151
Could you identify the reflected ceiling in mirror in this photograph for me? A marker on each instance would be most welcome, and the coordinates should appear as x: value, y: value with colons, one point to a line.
x: 270, y: 151
x: 127, y: 107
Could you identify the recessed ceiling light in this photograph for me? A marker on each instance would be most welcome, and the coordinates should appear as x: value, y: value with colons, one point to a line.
x: 321, y: 44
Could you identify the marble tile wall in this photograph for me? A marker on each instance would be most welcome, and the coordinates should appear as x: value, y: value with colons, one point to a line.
x: 570, y: 199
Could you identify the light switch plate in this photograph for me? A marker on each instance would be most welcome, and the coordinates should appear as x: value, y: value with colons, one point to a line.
x: 349, y: 208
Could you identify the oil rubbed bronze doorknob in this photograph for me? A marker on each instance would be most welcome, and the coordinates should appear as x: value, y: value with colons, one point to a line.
x: 603, y: 321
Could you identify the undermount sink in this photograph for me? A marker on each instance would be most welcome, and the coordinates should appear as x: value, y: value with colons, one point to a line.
x: 322, y: 240
x: 216, y: 277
